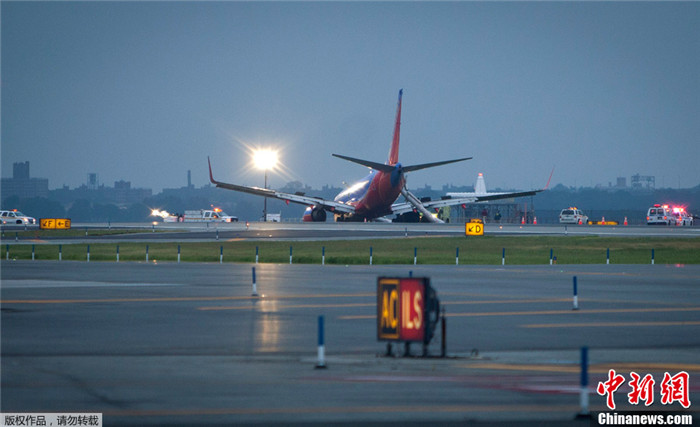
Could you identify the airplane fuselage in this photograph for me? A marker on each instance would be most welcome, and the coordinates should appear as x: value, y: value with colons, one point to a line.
x: 373, y: 195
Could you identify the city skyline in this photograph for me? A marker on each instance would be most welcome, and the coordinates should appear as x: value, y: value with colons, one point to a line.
x: 139, y: 91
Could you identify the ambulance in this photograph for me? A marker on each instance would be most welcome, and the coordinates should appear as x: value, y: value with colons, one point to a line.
x: 660, y: 215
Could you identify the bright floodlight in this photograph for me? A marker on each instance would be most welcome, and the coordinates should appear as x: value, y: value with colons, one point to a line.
x: 265, y: 159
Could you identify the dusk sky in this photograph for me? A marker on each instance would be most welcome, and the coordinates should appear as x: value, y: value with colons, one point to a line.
x: 144, y: 91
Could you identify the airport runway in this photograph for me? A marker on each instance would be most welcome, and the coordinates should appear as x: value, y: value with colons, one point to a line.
x: 187, y: 344
x: 327, y: 231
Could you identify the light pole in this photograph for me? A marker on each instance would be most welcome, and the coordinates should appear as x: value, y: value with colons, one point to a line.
x: 265, y: 159
x: 265, y: 200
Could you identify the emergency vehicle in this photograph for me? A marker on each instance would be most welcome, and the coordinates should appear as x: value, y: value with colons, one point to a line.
x: 15, y: 217
x: 572, y: 216
x: 206, y: 215
x: 660, y: 215
x: 681, y: 217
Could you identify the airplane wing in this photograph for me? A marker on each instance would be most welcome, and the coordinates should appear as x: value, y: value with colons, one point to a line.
x: 414, y: 204
x: 400, y: 208
x: 302, y: 199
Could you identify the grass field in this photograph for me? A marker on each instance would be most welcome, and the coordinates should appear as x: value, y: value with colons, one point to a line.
x: 486, y: 250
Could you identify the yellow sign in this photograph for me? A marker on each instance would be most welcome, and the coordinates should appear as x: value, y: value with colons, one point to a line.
x: 388, y: 309
x: 474, y: 228
x: 54, y: 223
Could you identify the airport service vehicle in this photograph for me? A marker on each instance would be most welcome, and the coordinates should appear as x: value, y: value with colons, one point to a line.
x: 15, y: 217
x: 374, y: 197
x: 201, y: 215
x: 681, y: 217
x: 572, y: 216
x: 660, y: 215
x: 206, y: 215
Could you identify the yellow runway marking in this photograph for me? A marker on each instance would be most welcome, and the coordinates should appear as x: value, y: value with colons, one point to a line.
x: 598, y: 368
x: 177, y: 299
x: 550, y: 312
x: 349, y: 410
x: 279, y: 307
x: 608, y: 324
x: 601, y: 310
x: 507, y: 301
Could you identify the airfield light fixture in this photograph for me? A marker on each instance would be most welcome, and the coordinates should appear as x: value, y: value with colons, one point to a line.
x: 265, y: 159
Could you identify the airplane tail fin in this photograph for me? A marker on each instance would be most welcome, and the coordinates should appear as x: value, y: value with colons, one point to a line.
x: 550, y: 179
x: 394, y: 152
x: 480, y: 187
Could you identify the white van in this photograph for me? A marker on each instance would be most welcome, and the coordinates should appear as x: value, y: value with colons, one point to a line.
x: 660, y: 215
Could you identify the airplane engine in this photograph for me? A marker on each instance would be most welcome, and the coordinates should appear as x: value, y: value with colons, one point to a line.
x: 314, y: 214
x: 318, y: 214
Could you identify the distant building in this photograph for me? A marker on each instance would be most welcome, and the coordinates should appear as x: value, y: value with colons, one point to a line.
x: 621, y: 182
x: 640, y: 182
x: 22, y: 185
x: 93, y: 182
x: 125, y: 195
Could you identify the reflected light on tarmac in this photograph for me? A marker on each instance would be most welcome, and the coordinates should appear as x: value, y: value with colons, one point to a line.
x: 265, y: 323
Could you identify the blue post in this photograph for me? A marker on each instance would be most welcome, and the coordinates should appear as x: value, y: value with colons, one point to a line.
x: 146, y: 253
x: 255, y: 288
x: 503, y: 257
x: 410, y: 273
x: 575, y: 294
x: 178, y: 254
x: 117, y: 253
x: 221, y: 255
x: 415, y: 256
x: 584, y: 381
x: 370, y: 255
x: 217, y: 234
x: 32, y: 252
x: 652, y: 257
x: 60, y: 252
x: 7, y: 252
x: 88, y: 253
x: 551, y: 256
x: 290, y: 254
x: 457, y: 257
x: 323, y: 255
x: 256, y: 254
x: 608, y: 256
x: 321, y: 364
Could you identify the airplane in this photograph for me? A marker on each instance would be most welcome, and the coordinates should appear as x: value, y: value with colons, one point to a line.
x: 482, y: 195
x: 373, y: 197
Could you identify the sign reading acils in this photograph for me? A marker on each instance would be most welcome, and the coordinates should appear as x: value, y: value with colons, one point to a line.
x: 407, y: 309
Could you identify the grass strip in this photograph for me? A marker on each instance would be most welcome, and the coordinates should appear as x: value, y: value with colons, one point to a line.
x: 485, y: 250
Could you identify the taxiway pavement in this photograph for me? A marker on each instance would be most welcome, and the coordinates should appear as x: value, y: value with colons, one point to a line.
x: 187, y: 344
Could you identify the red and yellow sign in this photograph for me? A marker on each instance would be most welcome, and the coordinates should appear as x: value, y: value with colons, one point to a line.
x: 54, y: 223
x: 402, y: 308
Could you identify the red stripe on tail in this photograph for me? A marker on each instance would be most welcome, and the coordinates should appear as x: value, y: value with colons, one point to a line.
x: 394, y: 153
